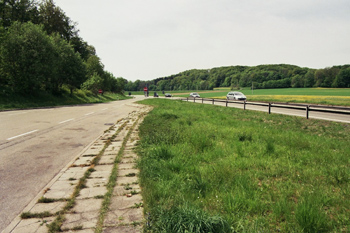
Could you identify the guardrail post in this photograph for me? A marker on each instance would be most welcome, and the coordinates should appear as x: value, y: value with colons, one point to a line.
x: 226, y: 103
x: 269, y: 108
x: 244, y: 104
x: 202, y: 100
x: 194, y: 100
x: 213, y: 101
x: 187, y: 99
x: 307, y: 112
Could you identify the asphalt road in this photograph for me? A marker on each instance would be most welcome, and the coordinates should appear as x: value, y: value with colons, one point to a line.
x: 36, y: 144
x: 344, y: 118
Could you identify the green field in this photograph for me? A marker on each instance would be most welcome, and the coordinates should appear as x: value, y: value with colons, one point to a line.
x: 206, y: 168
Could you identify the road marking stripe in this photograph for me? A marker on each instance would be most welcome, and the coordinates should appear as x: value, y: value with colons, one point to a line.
x: 66, y: 121
x: 89, y: 113
x: 22, y: 135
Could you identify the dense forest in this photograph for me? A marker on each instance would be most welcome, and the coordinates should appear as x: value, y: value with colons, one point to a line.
x: 258, y: 77
x: 41, y: 51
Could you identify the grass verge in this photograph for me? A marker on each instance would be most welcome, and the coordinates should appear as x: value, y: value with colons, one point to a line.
x: 206, y: 168
x: 15, y: 101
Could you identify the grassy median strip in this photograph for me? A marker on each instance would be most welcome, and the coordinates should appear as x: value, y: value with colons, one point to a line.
x: 55, y: 226
x: 112, y: 182
x: 206, y: 168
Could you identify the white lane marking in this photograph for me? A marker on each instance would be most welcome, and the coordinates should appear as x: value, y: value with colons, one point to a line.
x: 66, y: 121
x: 89, y: 113
x: 22, y: 135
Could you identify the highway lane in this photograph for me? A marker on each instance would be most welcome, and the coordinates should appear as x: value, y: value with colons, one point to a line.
x: 36, y: 144
x: 344, y: 118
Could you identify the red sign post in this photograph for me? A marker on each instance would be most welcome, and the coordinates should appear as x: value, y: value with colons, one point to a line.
x: 145, y: 89
x: 100, y: 91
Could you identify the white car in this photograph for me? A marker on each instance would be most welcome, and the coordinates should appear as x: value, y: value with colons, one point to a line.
x: 195, y: 95
x: 235, y: 95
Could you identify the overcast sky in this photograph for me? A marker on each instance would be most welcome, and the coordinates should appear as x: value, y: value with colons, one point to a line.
x: 148, y: 39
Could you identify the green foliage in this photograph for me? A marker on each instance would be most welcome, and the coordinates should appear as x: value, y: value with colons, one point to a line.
x: 186, y: 219
x: 262, y: 76
x: 42, y: 99
x: 27, y: 58
x: 93, y: 84
x: 41, y: 51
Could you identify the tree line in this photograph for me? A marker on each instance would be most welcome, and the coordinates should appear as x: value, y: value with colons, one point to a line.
x: 257, y: 77
x: 41, y: 50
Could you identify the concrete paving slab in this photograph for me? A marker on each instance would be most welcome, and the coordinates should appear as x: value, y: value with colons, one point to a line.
x: 107, y: 159
x: 93, y: 151
x: 100, y: 174
x: 128, y: 160
x: 91, y: 192
x: 89, y: 230
x: 121, y: 190
x: 128, y: 172
x: 115, y: 145
x: 123, y: 229
x: 124, y: 166
x: 84, y: 214
x: 127, y: 180
x: 73, y: 173
x: 126, y: 216
x: 96, y: 182
x: 60, y: 193
x: 81, y: 220
x: 87, y: 205
x: 50, y: 207
x: 33, y: 225
x: 83, y: 161
x: 63, y: 184
x: 103, y: 168
x: 124, y: 202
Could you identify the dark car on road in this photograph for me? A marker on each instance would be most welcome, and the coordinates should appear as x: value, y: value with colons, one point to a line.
x: 167, y: 95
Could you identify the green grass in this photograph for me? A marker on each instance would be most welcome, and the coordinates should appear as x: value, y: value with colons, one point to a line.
x: 16, y: 101
x: 206, y: 168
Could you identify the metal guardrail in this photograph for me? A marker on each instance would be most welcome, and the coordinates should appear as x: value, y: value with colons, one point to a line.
x: 270, y: 105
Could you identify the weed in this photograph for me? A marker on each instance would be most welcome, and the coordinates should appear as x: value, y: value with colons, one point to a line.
x: 138, y: 205
x: 310, y: 216
x: 27, y: 215
x: 245, y: 137
x: 132, y: 174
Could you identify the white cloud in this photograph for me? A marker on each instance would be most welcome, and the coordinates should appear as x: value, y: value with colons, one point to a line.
x: 147, y: 39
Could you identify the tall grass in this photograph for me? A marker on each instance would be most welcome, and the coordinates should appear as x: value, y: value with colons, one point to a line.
x: 16, y: 101
x: 205, y: 168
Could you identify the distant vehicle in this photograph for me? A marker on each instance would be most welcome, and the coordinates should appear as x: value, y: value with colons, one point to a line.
x: 234, y: 95
x: 167, y: 95
x: 155, y: 94
x: 195, y: 95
